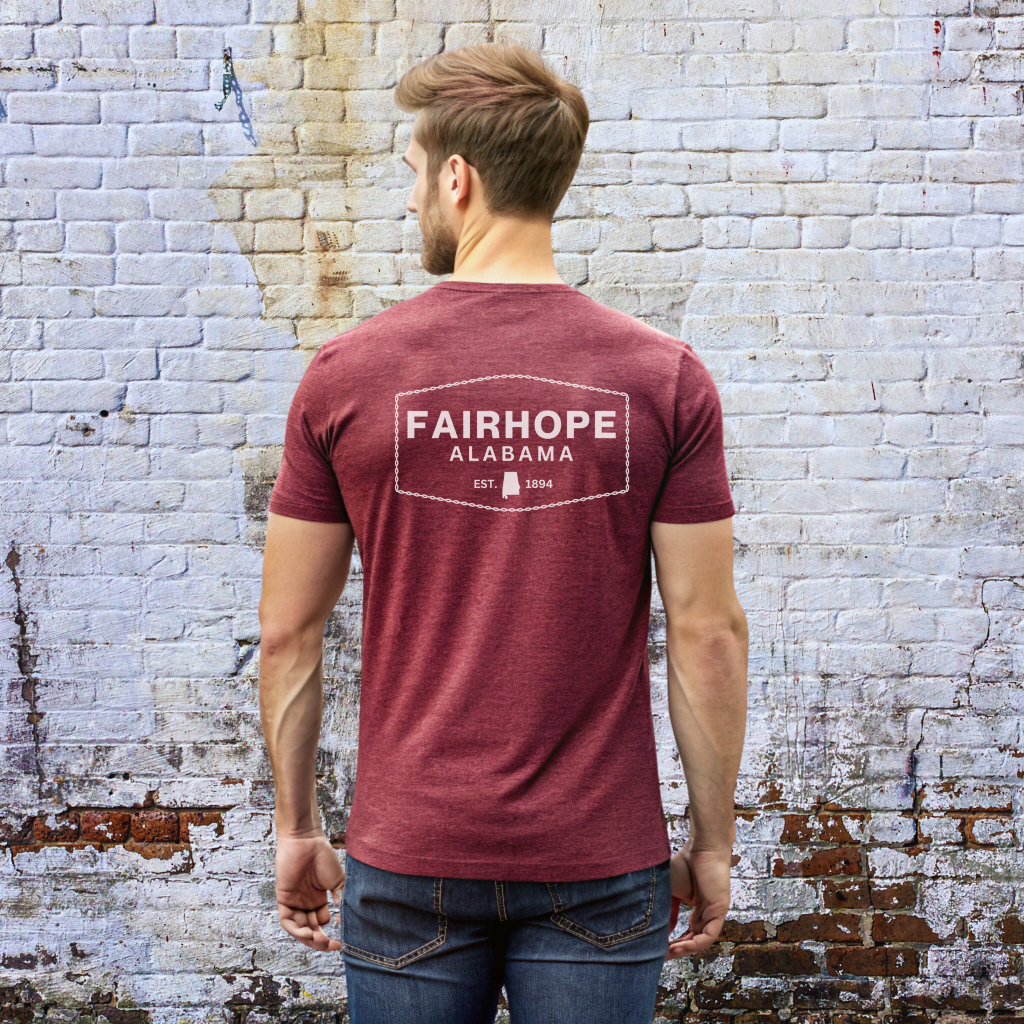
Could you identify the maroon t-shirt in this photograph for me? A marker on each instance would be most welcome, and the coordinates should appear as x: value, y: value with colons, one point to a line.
x: 500, y: 451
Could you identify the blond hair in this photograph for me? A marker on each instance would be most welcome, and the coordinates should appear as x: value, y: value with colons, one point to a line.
x: 499, y: 107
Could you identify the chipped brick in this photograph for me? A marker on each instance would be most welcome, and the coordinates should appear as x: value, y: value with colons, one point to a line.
x: 773, y: 959
x: 843, y: 860
x: 200, y: 818
x: 62, y: 828
x: 820, y: 928
x: 105, y: 826
x: 901, y: 928
x: 878, y: 961
x: 155, y: 826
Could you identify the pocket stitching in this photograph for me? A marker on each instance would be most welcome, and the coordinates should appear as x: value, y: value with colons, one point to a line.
x: 406, y: 958
x: 568, y: 924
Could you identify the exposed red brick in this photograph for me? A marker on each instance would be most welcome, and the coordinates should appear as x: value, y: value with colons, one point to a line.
x: 842, y: 860
x: 732, y: 996
x: 827, y: 994
x: 893, y: 895
x: 155, y: 827
x: 1011, y: 929
x: 16, y: 830
x: 901, y: 928
x: 64, y: 828
x: 101, y: 826
x: 200, y: 818
x: 852, y: 895
x: 821, y: 928
x: 818, y: 828
x: 947, y: 1001
x: 751, y: 931
x: 1007, y: 997
x: 158, y: 851
x: 773, y: 959
x: 876, y: 962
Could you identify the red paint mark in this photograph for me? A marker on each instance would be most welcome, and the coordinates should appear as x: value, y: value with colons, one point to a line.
x: 983, y: 97
x: 874, y: 397
x: 938, y: 26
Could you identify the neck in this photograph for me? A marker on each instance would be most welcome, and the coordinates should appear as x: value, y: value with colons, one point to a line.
x: 505, y: 250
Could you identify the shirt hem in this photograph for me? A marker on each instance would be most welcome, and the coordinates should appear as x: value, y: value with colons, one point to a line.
x: 695, y: 513
x: 314, y: 515
x: 508, y: 871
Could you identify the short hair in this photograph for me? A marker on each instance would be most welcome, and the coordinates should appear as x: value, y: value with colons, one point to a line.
x: 499, y: 107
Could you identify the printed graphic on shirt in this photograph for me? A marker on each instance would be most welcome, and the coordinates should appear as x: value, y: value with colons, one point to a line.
x: 512, y: 443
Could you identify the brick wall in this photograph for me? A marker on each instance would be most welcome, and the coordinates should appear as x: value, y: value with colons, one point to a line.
x: 826, y: 200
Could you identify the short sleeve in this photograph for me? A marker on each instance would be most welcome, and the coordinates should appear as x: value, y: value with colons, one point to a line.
x: 696, y: 484
x: 307, y: 486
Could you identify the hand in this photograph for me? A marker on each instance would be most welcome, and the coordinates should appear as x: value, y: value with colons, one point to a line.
x: 700, y: 878
x: 306, y: 867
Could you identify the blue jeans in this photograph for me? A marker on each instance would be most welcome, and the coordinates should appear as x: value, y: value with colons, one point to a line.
x: 428, y: 950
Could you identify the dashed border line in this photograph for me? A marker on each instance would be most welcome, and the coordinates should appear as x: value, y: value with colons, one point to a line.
x: 506, y: 376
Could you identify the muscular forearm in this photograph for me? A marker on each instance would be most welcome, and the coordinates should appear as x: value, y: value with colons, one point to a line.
x: 291, y: 709
x: 707, y: 698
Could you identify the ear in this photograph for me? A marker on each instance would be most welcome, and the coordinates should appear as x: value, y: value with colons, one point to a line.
x: 460, y: 183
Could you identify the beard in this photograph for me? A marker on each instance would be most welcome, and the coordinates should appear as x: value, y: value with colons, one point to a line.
x: 440, y: 243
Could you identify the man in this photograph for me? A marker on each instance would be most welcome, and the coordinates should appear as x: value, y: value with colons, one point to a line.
x: 506, y: 451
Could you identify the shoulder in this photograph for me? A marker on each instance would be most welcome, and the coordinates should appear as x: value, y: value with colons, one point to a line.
x: 372, y: 338
x: 644, y: 339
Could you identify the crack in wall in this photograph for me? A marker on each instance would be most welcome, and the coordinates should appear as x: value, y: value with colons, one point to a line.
x: 26, y: 664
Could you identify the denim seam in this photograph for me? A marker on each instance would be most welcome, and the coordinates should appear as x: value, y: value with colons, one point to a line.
x: 415, y: 954
x: 499, y: 890
x: 569, y: 925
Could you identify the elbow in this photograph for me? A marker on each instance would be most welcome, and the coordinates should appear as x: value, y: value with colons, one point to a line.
x: 723, y: 636
x: 281, y: 635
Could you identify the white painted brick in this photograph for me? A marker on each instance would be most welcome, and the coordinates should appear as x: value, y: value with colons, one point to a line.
x: 165, y: 140
x: 53, y: 108
x: 775, y: 232
x: 35, y: 172
x: 677, y: 232
x: 56, y: 41
x: 778, y: 167
x: 275, y: 11
x: 862, y: 322
x: 15, y: 42
x: 875, y: 232
x: 877, y: 101
x: 80, y: 140
x: 776, y: 101
x: 59, y: 365
x: 151, y: 41
x: 140, y: 236
x: 113, y: 205
x: 39, y: 236
x: 84, y: 396
x: 215, y: 12
x: 980, y: 231
x: 825, y: 135
x: 108, y: 41
x: 32, y: 12
x: 726, y: 232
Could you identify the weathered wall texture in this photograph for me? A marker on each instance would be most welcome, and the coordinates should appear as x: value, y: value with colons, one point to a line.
x: 825, y: 199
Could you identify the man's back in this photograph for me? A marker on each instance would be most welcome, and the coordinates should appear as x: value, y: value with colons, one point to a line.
x: 500, y: 451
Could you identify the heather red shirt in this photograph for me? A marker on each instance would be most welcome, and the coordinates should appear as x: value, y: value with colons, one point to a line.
x: 500, y: 451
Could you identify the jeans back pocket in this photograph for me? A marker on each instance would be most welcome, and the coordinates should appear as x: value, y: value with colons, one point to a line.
x: 605, y: 911
x: 388, y: 918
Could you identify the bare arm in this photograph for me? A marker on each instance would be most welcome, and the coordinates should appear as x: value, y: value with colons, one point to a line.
x: 305, y: 566
x: 707, y: 698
